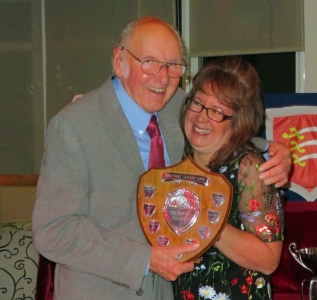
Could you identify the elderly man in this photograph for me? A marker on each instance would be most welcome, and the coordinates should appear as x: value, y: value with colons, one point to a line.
x: 85, y: 217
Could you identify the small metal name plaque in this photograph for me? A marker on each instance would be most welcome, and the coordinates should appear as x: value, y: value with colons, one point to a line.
x: 192, y: 178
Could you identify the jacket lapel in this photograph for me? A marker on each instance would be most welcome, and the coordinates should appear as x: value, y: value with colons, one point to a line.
x: 118, y: 127
x: 173, y: 135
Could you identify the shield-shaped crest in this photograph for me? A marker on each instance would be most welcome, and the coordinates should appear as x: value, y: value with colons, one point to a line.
x: 296, y: 126
x: 183, y: 204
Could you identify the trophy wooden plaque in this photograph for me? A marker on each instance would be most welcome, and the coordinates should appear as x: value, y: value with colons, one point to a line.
x: 183, y: 204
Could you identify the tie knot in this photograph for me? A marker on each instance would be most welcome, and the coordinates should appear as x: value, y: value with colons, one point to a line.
x: 153, y: 129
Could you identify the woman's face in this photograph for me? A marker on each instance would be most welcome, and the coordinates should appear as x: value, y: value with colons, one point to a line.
x: 205, y: 135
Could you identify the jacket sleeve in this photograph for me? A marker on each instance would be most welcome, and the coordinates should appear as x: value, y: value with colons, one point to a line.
x: 260, y: 143
x: 63, y: 229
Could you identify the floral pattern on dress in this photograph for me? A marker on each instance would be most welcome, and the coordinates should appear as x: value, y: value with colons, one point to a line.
x: 256, y: 208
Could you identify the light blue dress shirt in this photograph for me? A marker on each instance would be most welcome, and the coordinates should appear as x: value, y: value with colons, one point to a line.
x: 138, y: 124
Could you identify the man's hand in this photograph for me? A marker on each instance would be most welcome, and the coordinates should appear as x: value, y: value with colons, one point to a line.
x: 164, y: 261
x: 275, y: 170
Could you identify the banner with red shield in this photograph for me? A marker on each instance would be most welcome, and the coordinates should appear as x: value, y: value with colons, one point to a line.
x: 296, y: 126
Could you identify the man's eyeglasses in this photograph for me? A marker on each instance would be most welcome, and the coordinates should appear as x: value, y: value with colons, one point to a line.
x: 153, y: 66
x: 212, y: 114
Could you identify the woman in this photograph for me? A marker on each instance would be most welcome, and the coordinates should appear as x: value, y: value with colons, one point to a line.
x: 222, y: 113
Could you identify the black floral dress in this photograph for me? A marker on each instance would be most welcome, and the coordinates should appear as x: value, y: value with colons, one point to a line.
x: 257, y: 209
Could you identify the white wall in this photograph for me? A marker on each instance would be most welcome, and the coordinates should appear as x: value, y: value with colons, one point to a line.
x: 310, y: 15
x: 306, y: 68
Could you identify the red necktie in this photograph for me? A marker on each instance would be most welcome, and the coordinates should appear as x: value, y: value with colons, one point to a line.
x: 156, y: 158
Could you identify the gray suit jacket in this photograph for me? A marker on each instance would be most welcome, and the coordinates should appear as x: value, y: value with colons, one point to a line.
x: 85, y: 216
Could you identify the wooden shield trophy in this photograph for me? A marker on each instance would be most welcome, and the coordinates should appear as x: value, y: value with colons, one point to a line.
x: 183, y: 204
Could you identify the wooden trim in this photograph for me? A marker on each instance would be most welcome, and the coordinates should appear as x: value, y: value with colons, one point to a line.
x: 18, y: 179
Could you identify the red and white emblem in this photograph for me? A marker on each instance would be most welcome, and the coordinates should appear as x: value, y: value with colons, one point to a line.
x: 296, y: 126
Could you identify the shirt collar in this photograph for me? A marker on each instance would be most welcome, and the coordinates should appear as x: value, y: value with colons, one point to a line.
x: 130, y: 108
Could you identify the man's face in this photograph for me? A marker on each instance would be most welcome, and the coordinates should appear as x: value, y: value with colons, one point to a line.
x: 153, y: 40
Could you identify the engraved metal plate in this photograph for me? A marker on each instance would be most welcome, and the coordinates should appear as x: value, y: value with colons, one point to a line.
x: 153, y: 226
x: 203, y: 231
x: 163, y: 240
x: 213, y: 216
x: 149, y: 209
x: 187, y: 205
x: 148, y: 191
x: 218, y: 199
x: 181, y: 210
